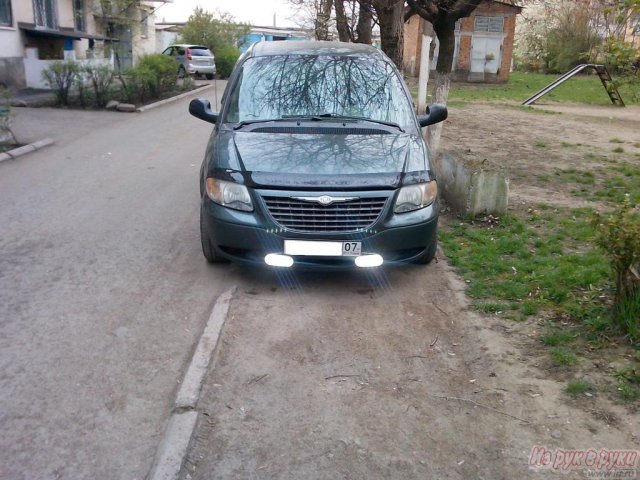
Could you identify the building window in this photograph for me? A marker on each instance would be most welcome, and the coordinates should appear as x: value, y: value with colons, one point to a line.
x: 78, y: 15
x: 144, y: 25
x: 489, y: 24
x: 635, y: 24
x: 44, y: 13
x: 6, y: 20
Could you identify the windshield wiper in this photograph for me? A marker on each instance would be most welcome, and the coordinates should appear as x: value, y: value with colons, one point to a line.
x: 241, y: 124
x: 336, y: 116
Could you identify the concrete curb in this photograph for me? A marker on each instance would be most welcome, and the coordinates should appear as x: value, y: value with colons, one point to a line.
x: 189, y: 391
x: 32, y: 147
x: 172, y: 450
x: 174, y: 446
x: 151, y: 106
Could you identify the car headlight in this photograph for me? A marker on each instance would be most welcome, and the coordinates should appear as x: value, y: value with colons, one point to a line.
x: 414, y: 197
x: 229, y: 194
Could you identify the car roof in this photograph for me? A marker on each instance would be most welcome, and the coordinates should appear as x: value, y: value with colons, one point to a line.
x: 187, y: 45
x: 313, y: 47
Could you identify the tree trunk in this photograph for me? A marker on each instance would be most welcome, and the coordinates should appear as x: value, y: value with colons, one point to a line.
x: 342, y: 24
x: 446, y: 32
x: 391, y: 19
x: 323, y: 18
x: 365, y: 24
x: 440, y: 95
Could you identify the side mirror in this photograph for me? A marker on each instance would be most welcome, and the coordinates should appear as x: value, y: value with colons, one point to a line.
x: 201, y: 108
x: 435, y: 113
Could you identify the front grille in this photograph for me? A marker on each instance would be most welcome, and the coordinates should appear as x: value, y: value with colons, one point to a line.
x: 304, y: 216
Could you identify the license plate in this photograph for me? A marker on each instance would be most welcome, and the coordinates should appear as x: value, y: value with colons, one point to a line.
x: 322, y: 249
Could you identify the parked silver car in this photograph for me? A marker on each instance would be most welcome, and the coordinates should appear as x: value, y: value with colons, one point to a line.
x: 193, y: 60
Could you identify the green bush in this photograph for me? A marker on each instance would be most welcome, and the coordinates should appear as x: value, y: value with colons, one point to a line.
x: 100, y: 78
x: 151, y: 78
x: 226, y: 58
x: 164, y: 70
x: 619, y: 236
x: 624, y: 60
x: 60, y: 77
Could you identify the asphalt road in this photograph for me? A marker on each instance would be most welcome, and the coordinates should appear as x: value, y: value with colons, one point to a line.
x: 103, y: 288
x: 104, y: 293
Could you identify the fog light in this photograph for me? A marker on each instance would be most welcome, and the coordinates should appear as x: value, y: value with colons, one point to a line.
x: 277, y: 260
x: 365, y: 261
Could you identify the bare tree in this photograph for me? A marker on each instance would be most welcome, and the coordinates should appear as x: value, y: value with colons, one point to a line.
x: 323, y: 19
x: 390, y: 15
x: 443, y: 15
x: 315, y: 14
x: 354, y: 20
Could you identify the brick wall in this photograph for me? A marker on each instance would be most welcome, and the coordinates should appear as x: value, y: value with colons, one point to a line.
x: 413, y: 32
x: 412, y: 46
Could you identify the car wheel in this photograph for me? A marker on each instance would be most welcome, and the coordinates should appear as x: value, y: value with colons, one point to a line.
x: 209, y: 76
x: 208, y: 249
x: 182, y: 72
x: 428, y: 256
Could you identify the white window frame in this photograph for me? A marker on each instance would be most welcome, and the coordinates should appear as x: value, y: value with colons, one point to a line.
x: 488, y: 24
x: 40, y: 10
x: 8, y: 9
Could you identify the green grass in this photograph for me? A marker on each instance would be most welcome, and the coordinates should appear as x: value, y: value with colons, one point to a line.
x: 576, y: 388
x: 488, y: 307
x: 544, y: 263
x: 521, y: 85
x: 562, y: 356
x: 616, y: 140
x: 628, y: 384
x: 618, y: 150
x: 605, y: 184
x: 535, y: 267
x: 557, y: 338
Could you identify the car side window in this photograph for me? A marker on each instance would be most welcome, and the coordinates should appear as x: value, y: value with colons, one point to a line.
x: 180, y: 51
x: 168, y: 51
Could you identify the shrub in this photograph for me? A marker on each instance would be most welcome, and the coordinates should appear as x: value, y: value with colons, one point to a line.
x: 624, y: 59
x: 6, y: 134
x: 164, y: 71
x: 619, y: 236
x: 153, y: 76
x: 226, y: 58
x: 100, y: 77
x: 81, y: 87
x: 137, y: 84
x: 60, y: 77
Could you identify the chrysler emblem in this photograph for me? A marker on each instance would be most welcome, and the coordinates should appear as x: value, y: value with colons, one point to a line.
x: 325, y: 200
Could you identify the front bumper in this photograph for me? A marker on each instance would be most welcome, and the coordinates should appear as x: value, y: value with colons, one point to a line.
x: 247, y: 237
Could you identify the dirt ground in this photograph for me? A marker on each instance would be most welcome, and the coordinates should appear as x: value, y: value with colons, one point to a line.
x: 530, y: 142
x: 392, y: 374
x: 382, y: 376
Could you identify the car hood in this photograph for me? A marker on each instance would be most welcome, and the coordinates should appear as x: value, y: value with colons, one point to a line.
x: 322, y: 160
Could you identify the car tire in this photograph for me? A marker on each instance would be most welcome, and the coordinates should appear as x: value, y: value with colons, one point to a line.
x: 209, y: 76
x: 209, y: 251
x: 182, y: 72
x: 429, y: 254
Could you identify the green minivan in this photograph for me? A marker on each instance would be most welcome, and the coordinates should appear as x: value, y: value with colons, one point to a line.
x: 317, y: 160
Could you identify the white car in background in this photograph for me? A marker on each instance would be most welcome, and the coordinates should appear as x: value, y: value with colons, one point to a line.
x: 193, y: 60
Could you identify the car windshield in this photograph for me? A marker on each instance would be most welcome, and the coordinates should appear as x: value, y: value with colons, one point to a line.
x: 201, y: 52
x: 274, y: 87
